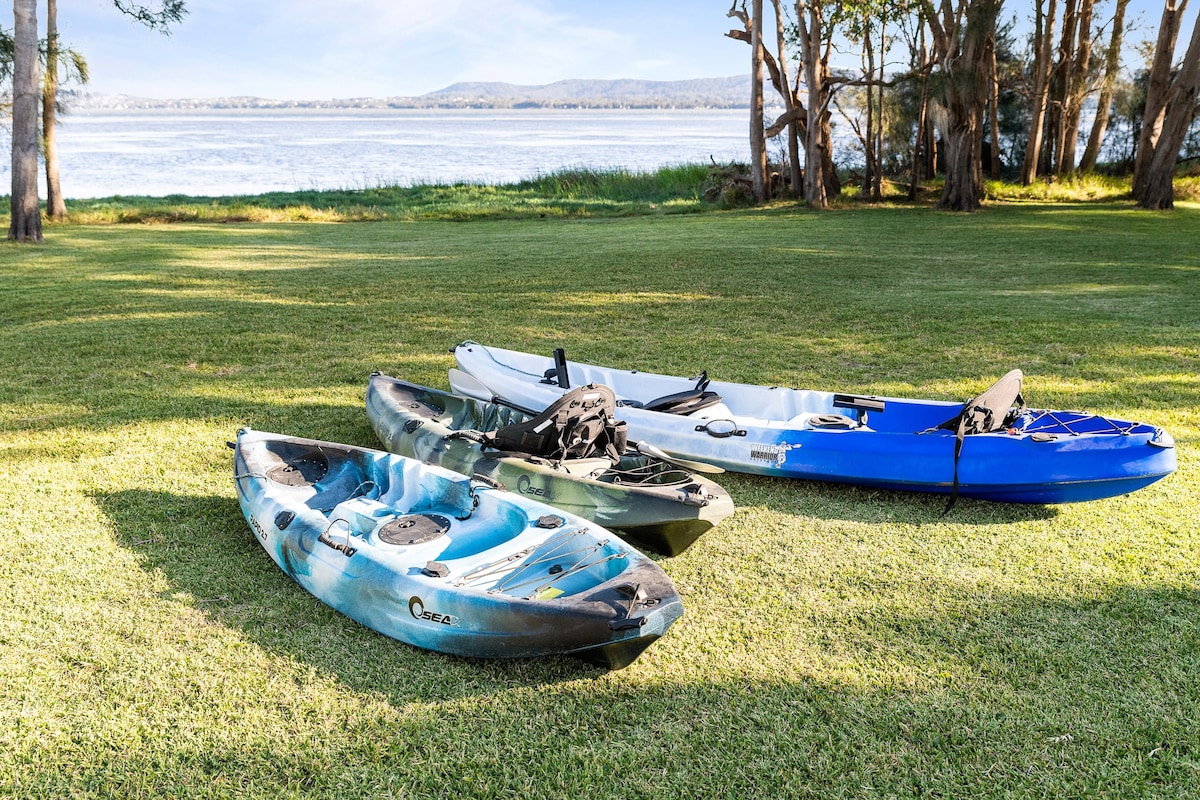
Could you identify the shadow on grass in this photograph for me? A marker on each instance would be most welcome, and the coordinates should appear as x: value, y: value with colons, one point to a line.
x: 1009, y: 695
x: 832, y: 501
x: 205, y: 549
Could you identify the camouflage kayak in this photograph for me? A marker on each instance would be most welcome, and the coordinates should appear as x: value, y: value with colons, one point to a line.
x: 656, y: 505
x: 431, y: 558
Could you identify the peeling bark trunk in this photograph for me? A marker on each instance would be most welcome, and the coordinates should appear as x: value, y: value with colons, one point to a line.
x: 26, y: 223
x: 795, y: 174
x: 877, y: 186
x: 56, y: 207
x: 1043, y: 36
x: 960, y: 55
x: 796, y: 118
x: 1112, y: 65
x: 922, y: 114
x: 758, y: 142
x: 1157, y: 88
x: 993, y: 108
x: 1158, y: 189
x: 1060, y: 78
x: 870, y: 167
x: 1076, y: 86
x: 809, y: 18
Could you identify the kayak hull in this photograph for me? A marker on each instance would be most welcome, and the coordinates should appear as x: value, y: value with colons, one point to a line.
x: 880, y: 442
x: 654, y: 505
x: 422, y: 555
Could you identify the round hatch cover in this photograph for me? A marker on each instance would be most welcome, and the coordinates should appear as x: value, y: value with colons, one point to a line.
x: 414, y: 529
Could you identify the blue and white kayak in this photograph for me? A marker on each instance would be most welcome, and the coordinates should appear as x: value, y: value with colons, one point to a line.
x: 425, y: 556
x: 1027, y: 455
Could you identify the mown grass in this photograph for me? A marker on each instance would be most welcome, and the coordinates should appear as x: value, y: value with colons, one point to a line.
x: 838, y: 642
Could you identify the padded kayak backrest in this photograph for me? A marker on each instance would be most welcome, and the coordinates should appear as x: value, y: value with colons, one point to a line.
x: 580, y: 424
x: 991, y: 410
x: 683, y: 402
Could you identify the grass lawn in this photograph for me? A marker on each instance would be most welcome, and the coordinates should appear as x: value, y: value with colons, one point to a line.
x: 837, y: 642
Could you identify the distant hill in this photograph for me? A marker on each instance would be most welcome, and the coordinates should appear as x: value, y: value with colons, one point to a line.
x: 732, y: 92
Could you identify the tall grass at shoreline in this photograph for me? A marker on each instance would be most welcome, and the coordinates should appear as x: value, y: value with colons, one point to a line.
x: 576, y: 192
x: 837, y: 642
x: 569, y: 193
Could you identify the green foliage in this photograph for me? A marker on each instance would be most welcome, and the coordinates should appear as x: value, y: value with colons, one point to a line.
x: 838, y: 642
x: 1070, y: 189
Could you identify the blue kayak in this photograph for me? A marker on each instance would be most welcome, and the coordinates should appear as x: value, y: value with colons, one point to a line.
x: 426, y: 556
x: 1023, y: 455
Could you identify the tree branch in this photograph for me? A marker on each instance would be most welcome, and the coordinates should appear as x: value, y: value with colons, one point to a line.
x: 171, y: 11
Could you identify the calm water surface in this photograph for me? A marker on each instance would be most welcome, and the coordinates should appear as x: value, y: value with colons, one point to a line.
x: 159, y: 153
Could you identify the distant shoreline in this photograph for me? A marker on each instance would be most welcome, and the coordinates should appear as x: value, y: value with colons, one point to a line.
x: 82, y: 110
x: 707, y: 94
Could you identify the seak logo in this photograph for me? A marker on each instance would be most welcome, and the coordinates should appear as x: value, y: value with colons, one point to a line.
x: 416, y: 607
x: 525, y: 486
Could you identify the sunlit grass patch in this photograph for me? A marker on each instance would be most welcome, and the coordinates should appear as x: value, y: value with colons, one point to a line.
x: 837, y: 641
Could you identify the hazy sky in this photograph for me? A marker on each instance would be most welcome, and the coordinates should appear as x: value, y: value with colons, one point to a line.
x: 322, y: 49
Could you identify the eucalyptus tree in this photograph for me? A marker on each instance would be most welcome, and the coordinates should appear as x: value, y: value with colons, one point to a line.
x: 814, y: 34
x: 959, y: 33
x: 25, y: 224
x: 1045, y: 16
x: 1068, y: 85
x: 795, y: 118
x: 871, y: 25
x: 1112, y: 68
x: 1171, y: 106
x: 780, y: 80
x: 159, y: 18
x: 758, y: 143
x: 75, y: 67
x: 26, y: 221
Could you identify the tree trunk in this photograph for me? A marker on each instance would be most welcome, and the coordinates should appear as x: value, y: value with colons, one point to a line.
x: 1060, y: 79
x: 758, y: 141
x: 1157, y: 87
x: 26, y: 223
x: 993, y: 108
x: 795, y: 116
x: 1112, y: 65
x: 1158, y: 190
x: 809, y: 20
x: 789, y: 105
x: 871, y: 166
x: 1043, y: 36
x: 56, y: 207
x: 1077, y: 85
x: 833, y: 184
x: 877, y: 187
x: 922, y: 113
x: 962, y: 61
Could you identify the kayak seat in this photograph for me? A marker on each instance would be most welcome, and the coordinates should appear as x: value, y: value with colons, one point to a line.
x: 580, y: 424
x: 681, y: 403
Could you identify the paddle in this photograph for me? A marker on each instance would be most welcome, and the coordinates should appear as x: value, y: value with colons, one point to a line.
x: 469, y: 385
x: 647, y: 449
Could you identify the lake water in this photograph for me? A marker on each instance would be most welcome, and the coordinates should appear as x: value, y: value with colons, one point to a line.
x: 158, y: 153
